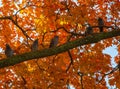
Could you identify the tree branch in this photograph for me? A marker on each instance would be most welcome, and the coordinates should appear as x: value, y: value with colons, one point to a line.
x: 94, y: 38
x: 15, y: 23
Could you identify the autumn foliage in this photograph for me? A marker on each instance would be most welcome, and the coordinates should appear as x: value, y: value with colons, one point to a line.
x: 83, y: 67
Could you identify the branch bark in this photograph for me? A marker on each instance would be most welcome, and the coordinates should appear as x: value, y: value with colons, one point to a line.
x: 94, y: 38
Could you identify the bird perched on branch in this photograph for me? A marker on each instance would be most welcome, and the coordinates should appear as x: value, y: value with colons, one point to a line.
x: 8, y: 51
x: 34, y: 46
x: 100, y: 24
x: 54, y: 41
x: 89, y: 30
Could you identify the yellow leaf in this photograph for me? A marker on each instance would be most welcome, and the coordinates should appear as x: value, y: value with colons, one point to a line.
x: 79, y: 26
x: 30, y: 68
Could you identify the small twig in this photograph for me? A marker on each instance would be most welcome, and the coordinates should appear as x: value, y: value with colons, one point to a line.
x: 22, y: 9
x: 112, y: 71
x: 36, y: 61
x: 23, y: 80
x: 10, y: 18
x: 49, y: 86
x: 43, y: 38
x: 81, y: 79
x: 71, y: 61
x: 73, y: 33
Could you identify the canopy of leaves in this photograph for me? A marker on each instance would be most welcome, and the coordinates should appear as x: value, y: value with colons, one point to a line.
x: 83, y: 67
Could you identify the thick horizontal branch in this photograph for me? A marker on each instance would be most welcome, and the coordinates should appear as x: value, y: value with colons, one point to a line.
x: 52, y: 51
